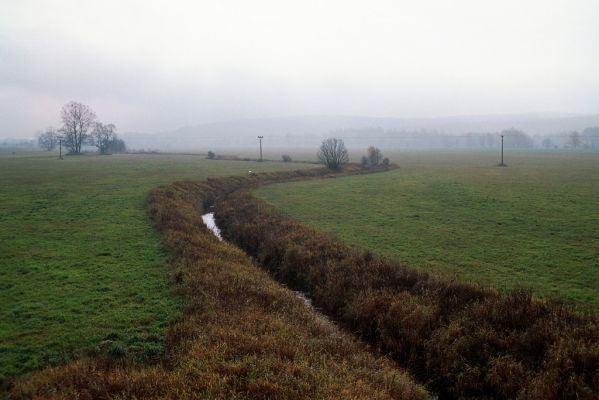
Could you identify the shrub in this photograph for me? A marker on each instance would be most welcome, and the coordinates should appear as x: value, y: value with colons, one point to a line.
x: 210, y: 155
x: 333, y: 153
x: 374, y: 155
x: 286, y: 158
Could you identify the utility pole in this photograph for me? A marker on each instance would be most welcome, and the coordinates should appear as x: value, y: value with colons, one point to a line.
x: 502, y: 164
x: 260, y: 137
x: 59, y: 148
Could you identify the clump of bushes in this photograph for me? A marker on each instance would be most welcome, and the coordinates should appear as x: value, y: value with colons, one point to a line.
x: 210, y: 155
x: 286, y: 158
x: 373, y: 157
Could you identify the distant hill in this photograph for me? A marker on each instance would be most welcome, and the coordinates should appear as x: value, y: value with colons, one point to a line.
x: 357, y: 131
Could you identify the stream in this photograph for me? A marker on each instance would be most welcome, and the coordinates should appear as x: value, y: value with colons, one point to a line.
x: 210, y: 223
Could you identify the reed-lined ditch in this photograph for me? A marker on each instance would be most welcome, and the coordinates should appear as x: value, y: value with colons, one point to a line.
x: 463, y: 341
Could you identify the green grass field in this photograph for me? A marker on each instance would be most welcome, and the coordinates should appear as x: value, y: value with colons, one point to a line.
x: 534, y: 224
x: 80, y: 260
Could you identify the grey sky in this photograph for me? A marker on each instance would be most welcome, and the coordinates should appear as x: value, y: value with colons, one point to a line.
x: 158, y: 65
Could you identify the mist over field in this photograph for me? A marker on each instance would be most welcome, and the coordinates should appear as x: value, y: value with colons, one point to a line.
x: 359, y: 132
x: 172, y: 72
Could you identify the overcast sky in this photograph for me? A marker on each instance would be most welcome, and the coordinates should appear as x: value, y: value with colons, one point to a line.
x: 159, y: 65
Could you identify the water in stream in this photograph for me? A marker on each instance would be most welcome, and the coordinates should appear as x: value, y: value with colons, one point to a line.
x: 210, y: 223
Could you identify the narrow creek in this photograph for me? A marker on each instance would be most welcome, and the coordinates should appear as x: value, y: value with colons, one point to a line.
x: 210, y: 223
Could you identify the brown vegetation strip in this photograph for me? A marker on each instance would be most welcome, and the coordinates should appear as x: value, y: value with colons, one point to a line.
x: 241, y: 334
x: 463, y: 341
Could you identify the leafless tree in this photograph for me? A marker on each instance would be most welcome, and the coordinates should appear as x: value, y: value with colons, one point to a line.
x: 547, y: 143
x: 48, y: 140
x: 575, y: 139
x: 77, y: 119
x: 374, y: 155
x: 333, y: 153
x: 103, y: 136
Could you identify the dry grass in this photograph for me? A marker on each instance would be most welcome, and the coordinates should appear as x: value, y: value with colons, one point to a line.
x: 463, y: 341
x: 241, y: 335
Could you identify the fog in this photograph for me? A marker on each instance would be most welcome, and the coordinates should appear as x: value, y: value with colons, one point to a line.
x: 159, y: 66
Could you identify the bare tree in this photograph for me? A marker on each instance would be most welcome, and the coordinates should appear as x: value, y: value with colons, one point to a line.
x: 48, y: 139
x: 103, y: 136
x: 374, y: 155
x: 77, y: 119
x: 333, y: 153
x: 547, y: 143
x: 575, y: 139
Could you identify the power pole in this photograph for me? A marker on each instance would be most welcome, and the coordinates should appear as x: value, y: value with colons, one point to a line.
x: 59, y: 148
x: 260, y: 137
x: 502, y: 164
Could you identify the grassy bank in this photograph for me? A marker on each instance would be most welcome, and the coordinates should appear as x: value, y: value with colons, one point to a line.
x: 239, y: 336
x: 462, y: 340
x: 533, y: 224
x: 80, y: 261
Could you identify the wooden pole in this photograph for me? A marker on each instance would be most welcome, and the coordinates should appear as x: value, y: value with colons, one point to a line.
x: 502, y: 150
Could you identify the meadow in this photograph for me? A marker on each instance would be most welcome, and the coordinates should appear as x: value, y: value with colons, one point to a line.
x: 461, y: 340
x: 81, y: 263
x: 239, y: 335
x: 531, y: 225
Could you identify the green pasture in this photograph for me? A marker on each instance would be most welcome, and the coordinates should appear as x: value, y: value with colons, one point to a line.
x: 534, y: 224
x: 81, y: 265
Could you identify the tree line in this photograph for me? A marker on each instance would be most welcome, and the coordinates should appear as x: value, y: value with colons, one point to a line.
x: 587, y: 138
x: 80, y: 127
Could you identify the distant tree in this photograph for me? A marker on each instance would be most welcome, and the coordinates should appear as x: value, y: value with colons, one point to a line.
x: 48, y: 140
x: 77, y: 119
x: 374, y: 155
x: 210, y: 155
x: 103, y: 137
x: 517, y: 139
x: 286, y: 158
x: 117, y: 145
x: 364, y: 161
x: 547, y: 143
x: 574, y: 139
x: 386, y: 161
x: 333, y: 153
x: 592, y: 135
